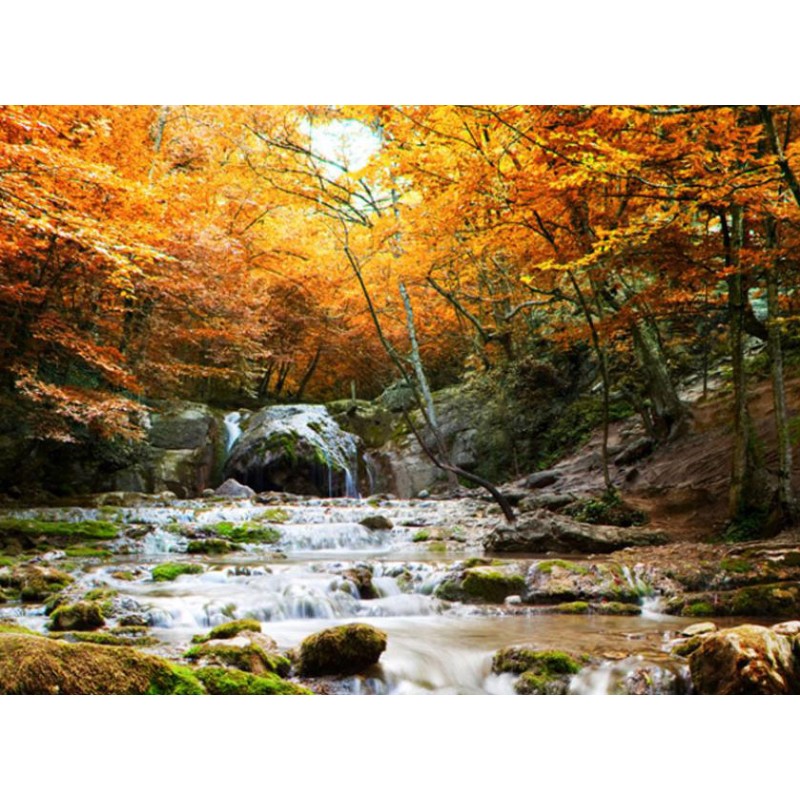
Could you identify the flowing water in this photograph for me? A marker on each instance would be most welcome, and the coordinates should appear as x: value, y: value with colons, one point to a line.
x: 307, y: 582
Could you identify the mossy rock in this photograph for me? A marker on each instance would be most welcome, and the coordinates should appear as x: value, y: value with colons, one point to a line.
x: 9, y: 626
x: 34, y: 529
x: 615, y: 609
x: 116, y: 639
x: 247, y: 658
x: 88, y: 552
x: 362, y: 578
x: 33, y: 583
x: 540, y: 671
x: 38, y: 665
x: 482, y: 584
x: 377, y: 522
x: 82, y: 616
x: 759, y: 600
x: 576, y: 607
x: 343, y: 650
x: 218, y: 680
x: 209, y: 546
x: 171, y: 571
x: 250, y: 532
x: 546, y: 567
x: 228, y: 630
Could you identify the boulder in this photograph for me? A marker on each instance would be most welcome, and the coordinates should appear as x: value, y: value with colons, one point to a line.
x: 749, y: 659
x: 541, y: 531
x: 184, y: 427
x: 538, y: 480
x: 343, y: 650
x: 298, y: 449
x: 540, y: 671
x: 232, y: 488
x: 636, y: 450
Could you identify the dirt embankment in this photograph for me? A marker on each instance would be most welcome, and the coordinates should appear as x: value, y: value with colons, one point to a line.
x: 683, y: 484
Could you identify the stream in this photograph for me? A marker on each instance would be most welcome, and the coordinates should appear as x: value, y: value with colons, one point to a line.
x: 299, y: 585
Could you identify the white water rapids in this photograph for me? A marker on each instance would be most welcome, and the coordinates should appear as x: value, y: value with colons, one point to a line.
x: 306, y: 582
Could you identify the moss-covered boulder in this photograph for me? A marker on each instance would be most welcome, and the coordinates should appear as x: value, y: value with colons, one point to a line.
x: 218, y: 680
x: 559, y: 581
x: 82, y: 616
x: 749, y: 659
x: 377, y: 522
x: 343, y: 650
x: 33, y: 583
x: 362, y: 579
x: 759, y: 600
x: 483, y: 584
x: 37, y: 665
x: 540, y: 671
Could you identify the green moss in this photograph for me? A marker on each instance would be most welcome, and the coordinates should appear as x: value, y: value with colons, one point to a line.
x: 38, y: 665
x: 250, y: 532
x: 123, y: 575
x: 493, y: 587
x: 540, y: 671
x: 174, y: 679
x: 88, y: 529
x: 82, y: 616
x: 249, y: 658
x: 701, y: 608
x: 747, y: 526
x: 578, y: 607
x: 606, y: 509
x: 7, y: 626
x: 101, y: 593
x: 107, y: 639
x: 421, y: 536
x: 6, y: 561
x: 34, y: 584
x: 737, y: 565
x: 437, y: 547
x: 546, y: 567
x: 212, y: 546
x: 171, y: 571
x: 227, y: 630
x: 276, y: 515
x: 771, y: 600
x: 218, y: 680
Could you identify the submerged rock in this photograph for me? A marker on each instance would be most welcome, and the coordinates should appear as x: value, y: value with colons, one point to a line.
x: 749, y: 659
x: 343, y: 650
x: 541, y: 531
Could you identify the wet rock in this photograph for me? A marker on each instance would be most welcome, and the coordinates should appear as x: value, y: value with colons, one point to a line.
x: 185, y: 427
x: 376, y: 522
x: 547, y: 500
x: 541, y: 531
x: 758, y: 600
x: 538, y: 480
x: 362, y: 579
x: 749, y: 659
x: 575, y: 585
x: 243, y: 652
x: 490, y: 584
x: 343, y: 650
x: 232, y: 488
x: 699, y: 629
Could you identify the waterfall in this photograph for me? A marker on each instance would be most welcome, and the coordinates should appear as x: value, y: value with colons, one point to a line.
x: 232, y: 429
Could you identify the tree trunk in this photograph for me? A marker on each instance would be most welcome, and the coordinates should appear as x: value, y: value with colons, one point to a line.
x: 745, y: 495
x: 785, y: 493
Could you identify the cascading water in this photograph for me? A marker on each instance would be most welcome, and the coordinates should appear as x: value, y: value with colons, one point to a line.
x: 233, y: 429
x: 327, y: 569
